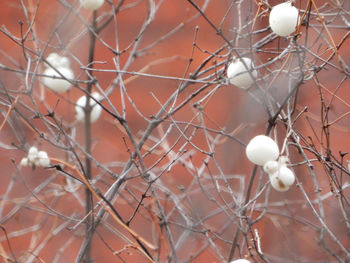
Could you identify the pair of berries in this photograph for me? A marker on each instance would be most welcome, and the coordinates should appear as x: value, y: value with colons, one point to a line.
x: 283, y: 21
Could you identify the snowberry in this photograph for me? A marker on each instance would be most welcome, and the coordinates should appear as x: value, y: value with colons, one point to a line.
x: 24, y: 162
x: 55, y: 82
x: 238, y: 72
x: 64, y: 62
x: 240, y: 261
x: 35, y: 158
x: 261, y: 149
x: 270, y: 167
x: 92, y: 4
x: 57, y: 61
x: 54, y: 59
x: 42, y: 159
x: 95, y: 108
x: 277, y: 185
x: 283, y: 19
x: 32, y: 153
x: 282, y: 179
x: 286, y: 175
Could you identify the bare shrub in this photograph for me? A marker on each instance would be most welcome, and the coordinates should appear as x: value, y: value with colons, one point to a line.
x: 162, y: 174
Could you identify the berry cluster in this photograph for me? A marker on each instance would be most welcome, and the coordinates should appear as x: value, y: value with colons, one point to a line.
x: 61, y: 66
x: 58, y: 73
x: 262, y: 150
x: 36, y: 158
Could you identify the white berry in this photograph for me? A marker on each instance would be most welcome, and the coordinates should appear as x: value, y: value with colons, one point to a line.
x: 283, y: 19
x: 96, y: 109
x: 286, y: 175
x: 54, y: 59
x: 92, y: 4
x: 240, y: 261
x: 56, y: 82
x: 32, y: 153
x: 271, y: 167
x: 36, y: 158
x: 282, y: 179
x: 43, y: 159
x: 45, y: 162
x: 241, y: 74
x: 24, y: 162
x: 64, y: 62
x: 277, y: 185
x: 261, y: 149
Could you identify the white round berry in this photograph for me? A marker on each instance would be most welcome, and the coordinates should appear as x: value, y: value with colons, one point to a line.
x: 283, y: 19
x: 238, y: 72
x: 43, y: 159
x: 36, y: 162
x: 45, y: 162
x: 31, y: 158
x: 261, y: 149
x: 277, y: 184
x: 56, y: 82
x: 54, y: 59
x: 241, y: 260
x: 92, y: 4
x: 270, y: 167
x: 286, y: 175
x: 24, y: 162
x: 96, y: 109
x: 32, y: 154
x: 282, y: 179
x: 64, y: 62
x: 33, y: 151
